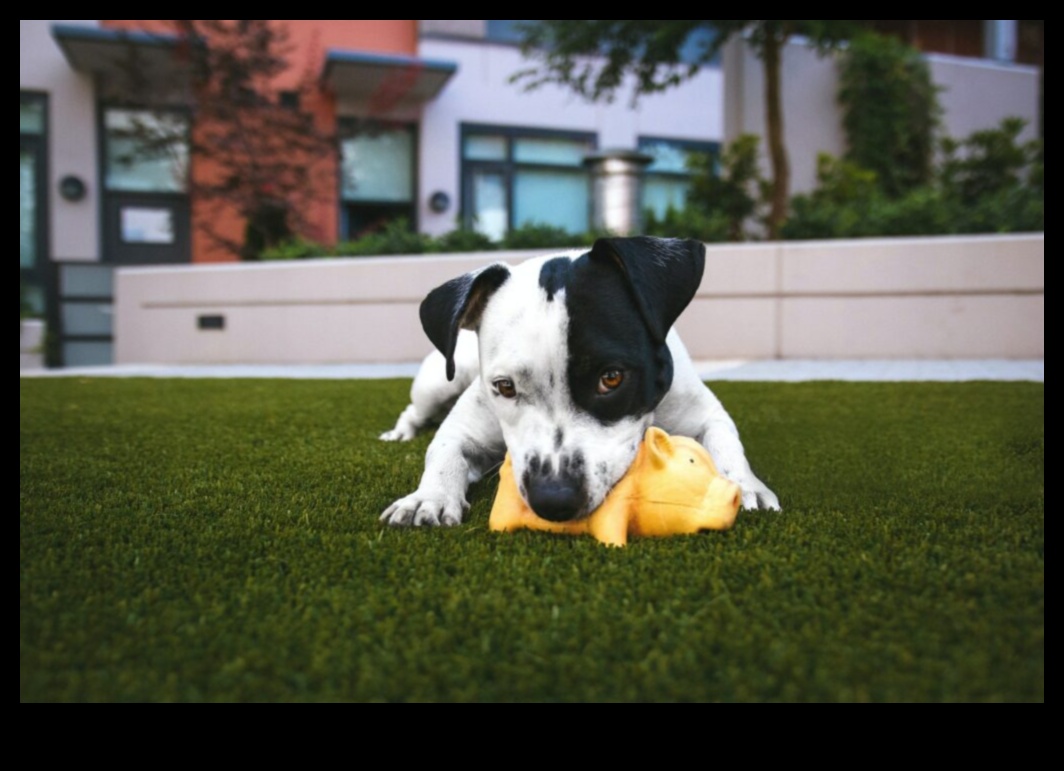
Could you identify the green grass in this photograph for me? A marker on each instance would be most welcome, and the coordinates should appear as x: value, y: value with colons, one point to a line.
x: 195, y: 541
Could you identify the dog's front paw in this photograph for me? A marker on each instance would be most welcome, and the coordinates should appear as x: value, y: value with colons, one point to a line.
x: 397, y: 435
x: 425, y: 510
x: 757, y: 497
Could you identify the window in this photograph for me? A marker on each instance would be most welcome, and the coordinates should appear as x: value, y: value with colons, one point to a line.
x: 146, y: 151
x: 30, y: 115
x: 377, y: 176
x: 697, y: 44
x: 516, y: 177
x: 668, y: 178
x: 27, y: 208
x: 506, y: 30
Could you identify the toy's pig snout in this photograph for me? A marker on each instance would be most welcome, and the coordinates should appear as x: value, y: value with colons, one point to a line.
x: 722, y: 502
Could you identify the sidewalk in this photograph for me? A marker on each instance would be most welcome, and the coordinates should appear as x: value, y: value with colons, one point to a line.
x: 791, y: 371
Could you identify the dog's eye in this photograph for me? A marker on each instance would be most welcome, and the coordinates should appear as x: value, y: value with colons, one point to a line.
x: 610, y: 381
x: 505, y: 388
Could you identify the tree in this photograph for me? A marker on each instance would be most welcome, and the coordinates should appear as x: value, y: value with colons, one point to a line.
x: 595, y: 58
x: 256, y: 146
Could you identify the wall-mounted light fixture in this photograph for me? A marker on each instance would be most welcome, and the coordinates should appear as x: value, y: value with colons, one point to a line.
x: 72, y: 188
x: 440, y: 202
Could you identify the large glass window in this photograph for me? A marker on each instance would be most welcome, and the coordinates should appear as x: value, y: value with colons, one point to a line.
x: 146, y: 151
x: 668, y: 178
x: 516, y: 177
x: 377, y: 176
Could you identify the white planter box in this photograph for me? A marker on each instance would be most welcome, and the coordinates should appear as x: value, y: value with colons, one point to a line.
x: 31, y: 345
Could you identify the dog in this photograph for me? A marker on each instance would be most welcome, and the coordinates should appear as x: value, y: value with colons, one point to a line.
x: 564, y: 361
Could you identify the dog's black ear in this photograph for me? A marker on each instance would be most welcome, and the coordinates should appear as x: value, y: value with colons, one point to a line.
x: 458, y: 305
x: 663, y: 273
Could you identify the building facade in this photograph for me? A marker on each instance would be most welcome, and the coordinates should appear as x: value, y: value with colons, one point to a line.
x: 427, y: 127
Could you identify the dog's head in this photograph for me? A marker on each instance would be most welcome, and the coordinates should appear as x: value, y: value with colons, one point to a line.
x: 573, y: 358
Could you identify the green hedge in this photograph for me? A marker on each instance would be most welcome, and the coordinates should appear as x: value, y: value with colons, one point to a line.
x: 397, y: 238
x: 990, y: 182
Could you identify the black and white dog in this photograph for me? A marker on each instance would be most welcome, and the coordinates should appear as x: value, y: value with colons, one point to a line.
x: 565, y: 362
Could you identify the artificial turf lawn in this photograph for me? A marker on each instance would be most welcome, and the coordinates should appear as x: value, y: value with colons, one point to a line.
x: 199, y: 540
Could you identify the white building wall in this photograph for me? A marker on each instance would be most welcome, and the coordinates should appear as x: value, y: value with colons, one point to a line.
x: 74, y: 227
x: 481, y: 92
x: 978, y: 94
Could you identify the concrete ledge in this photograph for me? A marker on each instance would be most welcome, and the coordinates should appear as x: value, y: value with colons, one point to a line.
x: 31, y: 345
x: 952, y: 298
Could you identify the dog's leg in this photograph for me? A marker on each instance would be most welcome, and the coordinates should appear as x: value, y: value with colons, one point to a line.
x: 467, y: 446
x: 720, y: 436
x: 432, y: 396
x: 691, y: 409
x: 716, y: 431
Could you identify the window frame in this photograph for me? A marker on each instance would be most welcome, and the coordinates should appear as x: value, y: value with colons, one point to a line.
x: 105, y: 156
x: 349, y: 126
x: 509, y: 166
x: 708, y: 146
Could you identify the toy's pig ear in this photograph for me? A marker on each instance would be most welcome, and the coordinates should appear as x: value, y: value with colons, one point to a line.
x: 663, y: 273
x: 458, y: 305
x: 660, y: 448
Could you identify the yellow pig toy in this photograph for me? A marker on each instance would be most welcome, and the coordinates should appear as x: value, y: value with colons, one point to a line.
x: 672, y: 488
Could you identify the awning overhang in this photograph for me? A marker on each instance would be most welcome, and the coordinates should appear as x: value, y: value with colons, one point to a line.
x: 153, y: 58
x: 387, y: 78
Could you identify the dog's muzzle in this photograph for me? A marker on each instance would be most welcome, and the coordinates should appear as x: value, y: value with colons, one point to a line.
x: 556, y: 496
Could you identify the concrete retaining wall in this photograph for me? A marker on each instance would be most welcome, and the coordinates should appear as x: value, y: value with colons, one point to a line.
x: 953, y: 298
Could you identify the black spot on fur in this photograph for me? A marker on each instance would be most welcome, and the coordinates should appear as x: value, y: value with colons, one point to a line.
x: 559, y: 438
x: 554, y: 276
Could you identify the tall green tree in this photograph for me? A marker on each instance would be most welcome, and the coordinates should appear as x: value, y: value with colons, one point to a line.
x: 595, y: 57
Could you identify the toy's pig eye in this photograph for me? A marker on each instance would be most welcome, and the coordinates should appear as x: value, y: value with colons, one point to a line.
x: 505, y: 388
x: 610, y: 381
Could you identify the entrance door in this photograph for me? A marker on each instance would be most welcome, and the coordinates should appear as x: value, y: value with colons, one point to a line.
x: 146, y: 204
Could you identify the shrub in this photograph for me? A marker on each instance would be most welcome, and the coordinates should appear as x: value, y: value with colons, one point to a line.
x: 989, y: 182
x: 989, y: 162
x: 298, y: 249
x: 840, y: 207
x: 1038, y: 169
x: 395, y: 237
x: 730, y: 190
x: 891, y: 112
x: 689, y: 222
x: 538, y: 236
x: 463, y: 240
x: 25, y: 311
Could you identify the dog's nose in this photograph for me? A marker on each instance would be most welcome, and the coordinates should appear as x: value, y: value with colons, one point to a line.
x: 556, y: 499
